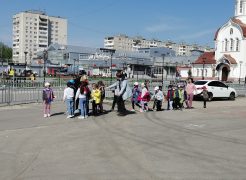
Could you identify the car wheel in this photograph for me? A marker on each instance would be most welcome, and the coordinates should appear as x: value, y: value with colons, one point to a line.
x: 232, y: 96
x: 210, y: 96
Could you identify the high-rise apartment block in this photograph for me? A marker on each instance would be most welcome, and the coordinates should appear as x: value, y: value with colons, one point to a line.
x: 34, y: 31
x: 125, y: 43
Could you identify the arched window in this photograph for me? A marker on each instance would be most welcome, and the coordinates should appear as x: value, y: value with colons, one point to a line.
x: 231, y: 31
x: 226, y: 45
x: 241, y: 7
x: 197, y: 72
x: 223, y: 45
x: 237, y: 44
x: 232, y: 45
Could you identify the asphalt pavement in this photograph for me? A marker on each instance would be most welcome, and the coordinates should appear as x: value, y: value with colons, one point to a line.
x: 174, y: 145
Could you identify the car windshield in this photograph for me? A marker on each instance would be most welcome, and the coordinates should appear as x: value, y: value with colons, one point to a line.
x: 200, y: 82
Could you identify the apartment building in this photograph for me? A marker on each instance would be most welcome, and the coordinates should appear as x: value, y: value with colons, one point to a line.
x: 126, y: 43
x: 34, y: 31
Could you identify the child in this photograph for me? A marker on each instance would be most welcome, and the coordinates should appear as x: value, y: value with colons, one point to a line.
x: 178, y: 98
x: 205, y: 96
x: 96, y: 98
x: 68, y: 97
x: 158, y: 98
x: 135, y: 96
x: 48, y: 97
x: 81, y: 94
x: 170, y: 94
x: 145, y: 97
x: 101, y: 87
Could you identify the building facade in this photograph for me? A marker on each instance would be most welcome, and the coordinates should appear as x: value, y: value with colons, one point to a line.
x: 228, y: 62
x: 34, y: 31
x: 125, y: 43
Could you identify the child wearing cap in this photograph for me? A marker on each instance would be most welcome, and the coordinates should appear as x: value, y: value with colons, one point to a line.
x: 136, y: 93
x: 158, y: 98
x: 205, y: 96
x: 48, y: 97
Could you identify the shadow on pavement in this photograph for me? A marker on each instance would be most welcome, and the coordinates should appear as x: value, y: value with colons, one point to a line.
x: 57, y: 114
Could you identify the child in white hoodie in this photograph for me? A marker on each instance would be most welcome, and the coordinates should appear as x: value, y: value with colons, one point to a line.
x: 158, y: 98
x: 68, y: 97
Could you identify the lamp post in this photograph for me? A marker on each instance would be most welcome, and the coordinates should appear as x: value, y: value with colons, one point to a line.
x: 162, y: 79
x: 74, y: 66
x: 111, y: 51
x: 45, y: 55
x: 176, y: 72
x: 203, y: 64
x: 167, y: 69
x: 1, y: 51
x: 239, y: 79
x: 137, y: 70
x: 25, y: 62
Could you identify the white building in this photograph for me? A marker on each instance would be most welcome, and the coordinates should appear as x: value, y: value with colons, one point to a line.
x: 125, y: 43
x: 34, y: 31
x: 228, y: 62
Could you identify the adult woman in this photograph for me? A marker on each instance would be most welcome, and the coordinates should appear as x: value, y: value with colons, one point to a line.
x: 122, y: 91
x: 190, y: 88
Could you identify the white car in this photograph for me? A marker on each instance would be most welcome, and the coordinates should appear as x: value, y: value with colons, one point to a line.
x: 216, y: 89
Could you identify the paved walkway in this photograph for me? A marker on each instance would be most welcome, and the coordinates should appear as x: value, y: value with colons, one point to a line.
x: 191, y: 144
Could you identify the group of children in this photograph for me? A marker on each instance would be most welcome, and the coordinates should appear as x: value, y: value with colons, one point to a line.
x: 84, y: 96
x: 78, y: 99
x: 177, y: 97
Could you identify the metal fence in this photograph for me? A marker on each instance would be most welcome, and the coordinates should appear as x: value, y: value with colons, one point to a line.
x: 19, y: 93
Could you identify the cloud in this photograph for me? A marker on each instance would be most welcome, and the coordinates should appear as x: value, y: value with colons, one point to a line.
x: 161, y: 28
x: 166, y: 24
x: 198, y: 34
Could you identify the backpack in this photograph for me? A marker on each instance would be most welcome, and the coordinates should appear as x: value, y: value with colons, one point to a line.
x: 48, y: 95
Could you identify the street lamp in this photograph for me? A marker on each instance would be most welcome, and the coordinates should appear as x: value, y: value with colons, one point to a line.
x: 25, y: 61
x: 176, y: 72
x: 203, y: 64
x: 239, y: 79
x: 162, y: 79
x: 167, y: 69
x: 137, y: 70
x: 1, y: 51
x: 111, y: 51
x: 45, y: 56
x: 74, y: 65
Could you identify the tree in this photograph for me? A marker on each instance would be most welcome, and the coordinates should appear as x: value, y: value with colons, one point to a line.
x: 5, y: 52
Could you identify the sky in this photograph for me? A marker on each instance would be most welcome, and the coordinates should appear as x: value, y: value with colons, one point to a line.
x: 89, y: 21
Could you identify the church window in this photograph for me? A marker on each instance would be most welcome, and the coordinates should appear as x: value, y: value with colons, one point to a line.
x: 226, y: 45
x: 232, y: 45
x: 237, y: 44
x: 231, y: 31
x: 241, y: 7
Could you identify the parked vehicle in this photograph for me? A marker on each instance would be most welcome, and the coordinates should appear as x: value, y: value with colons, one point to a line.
x: 216, y: 89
